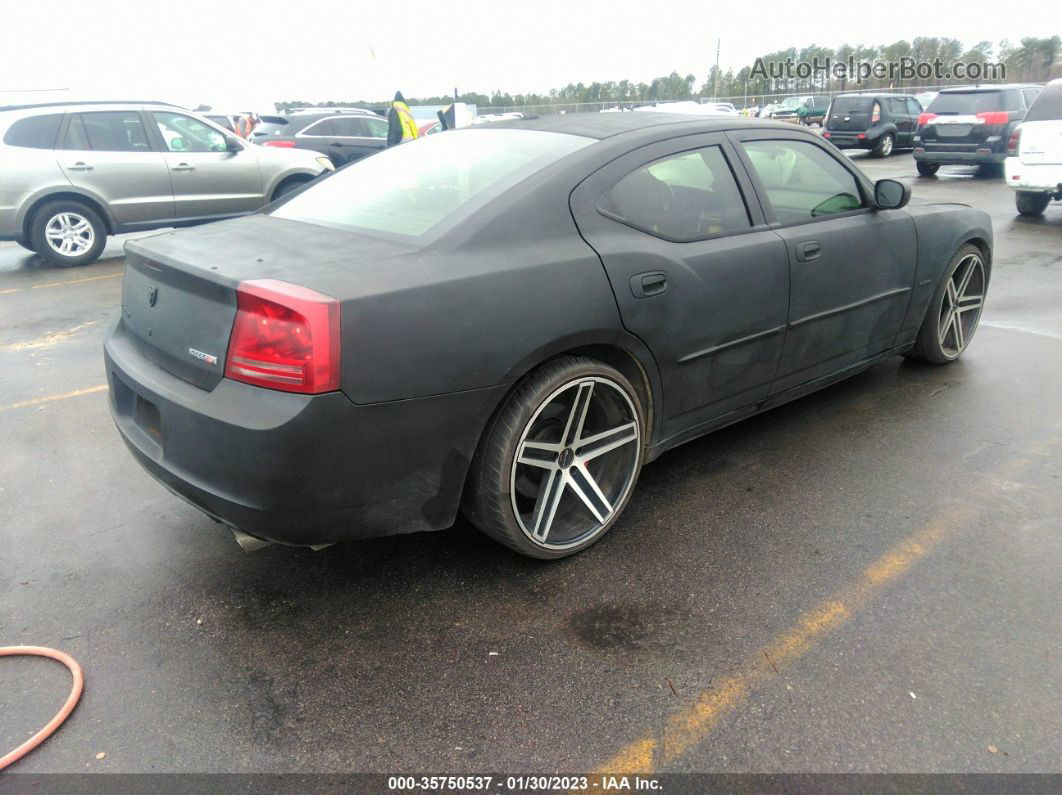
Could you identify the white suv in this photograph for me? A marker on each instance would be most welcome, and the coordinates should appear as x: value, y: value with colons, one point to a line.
x: 1034, y: 153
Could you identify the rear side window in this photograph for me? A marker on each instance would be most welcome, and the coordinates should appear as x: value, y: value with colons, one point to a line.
x: 107, y: 131
x: 972, y: 102
x: 683, y: 197
x: 1048, y: 106
x: 325, y: 127
x: 36, y: 132
x: 801, y: 180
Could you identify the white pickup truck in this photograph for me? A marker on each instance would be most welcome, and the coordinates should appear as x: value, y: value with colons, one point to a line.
x: 1034, y: 153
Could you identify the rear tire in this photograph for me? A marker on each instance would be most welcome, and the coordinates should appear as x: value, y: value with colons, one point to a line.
x: 559, y: 462
x: 927, y: 169
x: 954, y: 310
x: 25, y: 244
x: 67, y: 233
x: 884, y: 146
x: 1031, y: 204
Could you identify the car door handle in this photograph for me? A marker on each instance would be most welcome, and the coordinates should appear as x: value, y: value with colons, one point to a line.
x: 79, y: 166
x: 336, y: 143
x: 808, y: 250
x: 646, y: 285
x: 183, y: 167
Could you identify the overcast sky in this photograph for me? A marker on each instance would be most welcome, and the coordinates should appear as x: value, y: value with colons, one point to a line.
x: 236, y: 55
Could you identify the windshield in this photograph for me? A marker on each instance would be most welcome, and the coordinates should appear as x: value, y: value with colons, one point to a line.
x: 410, y: 189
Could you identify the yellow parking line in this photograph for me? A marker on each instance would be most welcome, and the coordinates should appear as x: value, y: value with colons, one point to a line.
x: 77, y: 281
x: 691, y: 725
x: 50, y: 398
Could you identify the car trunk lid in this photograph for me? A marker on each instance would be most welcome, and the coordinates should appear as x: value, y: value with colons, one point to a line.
x: 179, y: 290
x: 1041, y: 143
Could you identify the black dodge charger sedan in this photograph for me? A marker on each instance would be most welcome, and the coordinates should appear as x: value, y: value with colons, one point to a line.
x: 510, y: 320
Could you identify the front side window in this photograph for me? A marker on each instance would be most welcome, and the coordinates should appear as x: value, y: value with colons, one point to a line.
x: 1030, y: 95
x: 35, y: 132
x: 107, y: 131
x: 1048, y: 105
x: 185, y: 134
x: 374, y: 128
x: 682, y: 197
x: 416, y: 189
x: 801, y: 180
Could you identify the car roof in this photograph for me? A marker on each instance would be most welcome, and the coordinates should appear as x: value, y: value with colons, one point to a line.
x: 872, y: 95
x: 607, y: 125
x: 90, y: 102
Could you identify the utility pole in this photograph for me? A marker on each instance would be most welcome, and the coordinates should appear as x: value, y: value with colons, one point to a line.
x: 715, y: 77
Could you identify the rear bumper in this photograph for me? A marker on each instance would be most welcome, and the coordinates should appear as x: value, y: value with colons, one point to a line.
x: 296, y: 469
x: 953, y: 158
x: 1045, y: 178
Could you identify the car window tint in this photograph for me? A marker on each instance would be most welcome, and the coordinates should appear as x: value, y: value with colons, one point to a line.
x: 413, y: 189
x: 1048, y: 105
x: 687, y: 196
x: 897, y: 107
x: 347, y: 127
x: 972, y: 102
x: 851, y: 104
x: 35, y: 132
x: 324, y: 127
x: 914, y: 107
x: 801, y: 180
x: 185, y: 134
x: 375, y: 128
x: 76, y: 138
x: 114, y: 131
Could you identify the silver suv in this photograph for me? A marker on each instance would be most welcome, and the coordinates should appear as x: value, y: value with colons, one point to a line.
x: 71, y: 174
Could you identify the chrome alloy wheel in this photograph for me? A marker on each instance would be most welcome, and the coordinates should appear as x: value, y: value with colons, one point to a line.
x: 961, y: 308
x: 575, y: 463
x: 69, y: 234
x: 886, y: 146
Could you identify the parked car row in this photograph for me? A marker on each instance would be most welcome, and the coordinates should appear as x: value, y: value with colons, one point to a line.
x: 73, y: 173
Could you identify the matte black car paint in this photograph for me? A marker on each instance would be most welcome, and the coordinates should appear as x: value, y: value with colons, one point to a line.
x: 435, y: 332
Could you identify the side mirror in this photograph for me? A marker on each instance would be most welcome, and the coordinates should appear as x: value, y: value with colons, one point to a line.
x: 232, y: 143
x: 890, y: 194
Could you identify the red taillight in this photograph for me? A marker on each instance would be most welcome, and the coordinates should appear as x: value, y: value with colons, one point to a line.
x: 1014, y: 143
x: 994, y: 117
x: 826, y: 135
x: 875, y: 116
x: 284, y: 337
x: 282, y: 144
x: 926, y: 118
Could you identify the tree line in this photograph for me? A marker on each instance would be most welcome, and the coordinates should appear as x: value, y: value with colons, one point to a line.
x: 1031, y: 60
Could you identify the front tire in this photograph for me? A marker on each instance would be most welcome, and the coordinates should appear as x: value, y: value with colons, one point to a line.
x: 884, y: 146
x: 954, y: 310
x: 67, y: 233
x: 558, y: 464
x: 1031, y: 204
x: 927, y: 169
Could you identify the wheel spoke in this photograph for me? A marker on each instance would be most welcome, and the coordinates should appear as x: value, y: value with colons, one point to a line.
x: 968, y: 302
x: 952, y: 293
x: 966, y: 276
x: 539, y: 454
x: 606, y: 441
x: 577, y: 416
x: 549, y: 496
x: 587, y: 490
x: 960, y: 340
x: 54, y: 234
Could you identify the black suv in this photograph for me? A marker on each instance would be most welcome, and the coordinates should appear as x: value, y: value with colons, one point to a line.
x: 344, y: 136
x: 970, y: 126
x: 878, y: 122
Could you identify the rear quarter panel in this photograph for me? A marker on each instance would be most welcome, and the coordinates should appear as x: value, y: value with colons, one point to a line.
x: 940, y: 230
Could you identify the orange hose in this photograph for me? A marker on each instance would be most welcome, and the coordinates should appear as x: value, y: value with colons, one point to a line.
x: 63, y: 714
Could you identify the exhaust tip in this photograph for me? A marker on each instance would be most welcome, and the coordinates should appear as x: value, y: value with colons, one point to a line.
x: 248, y: 542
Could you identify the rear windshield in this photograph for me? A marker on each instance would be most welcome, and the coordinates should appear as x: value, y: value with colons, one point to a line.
x: 968, y: 102
x: 411, y: 189
x: 850, y: 104
x: 271, y: 125
x: 1048, y: 106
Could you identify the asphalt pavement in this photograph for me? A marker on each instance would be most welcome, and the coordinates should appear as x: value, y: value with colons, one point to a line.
x: 865, y: 580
